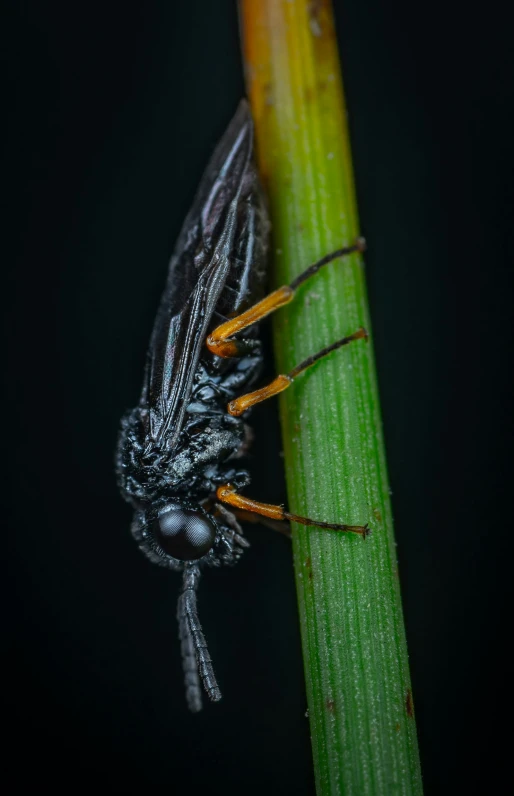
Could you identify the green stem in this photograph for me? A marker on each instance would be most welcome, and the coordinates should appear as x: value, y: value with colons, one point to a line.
x: 356, y: 668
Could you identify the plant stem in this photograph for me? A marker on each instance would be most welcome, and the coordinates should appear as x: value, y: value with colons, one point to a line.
x: 356, y: 668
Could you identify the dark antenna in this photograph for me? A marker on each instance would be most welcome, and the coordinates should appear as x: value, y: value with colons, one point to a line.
x: 187, y: 648
x: 196, y: 660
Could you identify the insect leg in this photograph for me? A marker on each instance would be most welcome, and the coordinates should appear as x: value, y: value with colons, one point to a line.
x: 231, y: 520
x: 283, y: 381
x: 187, y: 609
x: 279, y: 526
x: 228, y: 494
x: 219, y: 342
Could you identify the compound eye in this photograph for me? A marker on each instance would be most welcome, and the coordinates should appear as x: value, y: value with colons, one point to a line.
x: 184, y: 534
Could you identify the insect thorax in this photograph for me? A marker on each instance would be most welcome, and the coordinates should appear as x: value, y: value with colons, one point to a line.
x: 148, y: 472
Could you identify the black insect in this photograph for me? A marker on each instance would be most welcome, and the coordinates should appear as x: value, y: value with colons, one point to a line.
x: 179, y: 452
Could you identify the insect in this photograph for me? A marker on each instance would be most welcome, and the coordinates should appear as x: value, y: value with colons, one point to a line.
x: 179, y: 452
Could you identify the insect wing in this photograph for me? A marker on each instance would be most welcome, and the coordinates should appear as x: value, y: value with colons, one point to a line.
x: 197, y: 273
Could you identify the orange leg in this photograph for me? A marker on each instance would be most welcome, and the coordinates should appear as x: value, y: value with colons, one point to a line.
x: 227, y: 494
x: 219, y: 342
x: 282, y: 382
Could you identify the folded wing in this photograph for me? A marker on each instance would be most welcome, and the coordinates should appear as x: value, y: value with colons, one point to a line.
x: 197, y: 274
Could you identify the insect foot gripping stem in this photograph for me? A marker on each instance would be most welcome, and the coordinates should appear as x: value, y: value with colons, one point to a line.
x: 282, y: 382
x: 193, y: 642
x: 228, y: 494
x: 219, y: 342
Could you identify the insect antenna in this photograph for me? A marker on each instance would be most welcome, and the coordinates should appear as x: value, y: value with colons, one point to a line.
x: 187, y: 648
x: 196, y: 660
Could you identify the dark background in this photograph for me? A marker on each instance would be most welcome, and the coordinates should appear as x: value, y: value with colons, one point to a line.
x: 111, y: 113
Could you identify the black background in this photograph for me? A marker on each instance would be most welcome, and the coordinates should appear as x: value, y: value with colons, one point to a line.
x: 111, y: 113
